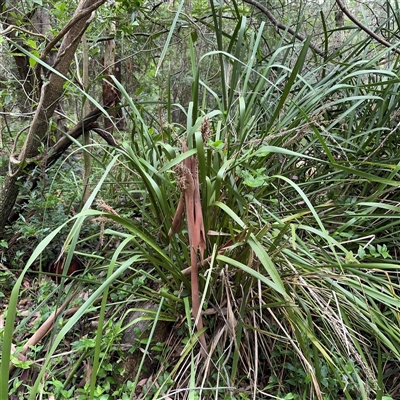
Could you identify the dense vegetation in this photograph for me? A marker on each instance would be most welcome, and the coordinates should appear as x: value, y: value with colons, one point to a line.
x: 240, y: 166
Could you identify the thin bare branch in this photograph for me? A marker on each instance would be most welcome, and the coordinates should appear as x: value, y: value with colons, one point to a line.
x: 283, y: 27
x: 378, y: 38
x: 68, y: 26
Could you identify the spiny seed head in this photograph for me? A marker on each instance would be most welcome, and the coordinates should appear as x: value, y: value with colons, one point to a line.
x: 205, y: 129
x: 181, y: 175
x: 105, y: 207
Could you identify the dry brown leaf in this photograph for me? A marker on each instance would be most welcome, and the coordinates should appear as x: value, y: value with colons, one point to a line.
x: 187, y: 174
x: 178, y: 217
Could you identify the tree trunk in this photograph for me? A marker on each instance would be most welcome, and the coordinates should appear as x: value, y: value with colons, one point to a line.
x: 8, y: 194
x: 86, y: 111
x: 50, y: 93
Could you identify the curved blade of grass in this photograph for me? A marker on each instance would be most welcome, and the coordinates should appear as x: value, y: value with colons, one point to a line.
x: 170, y: 33
x: 292, y: 78
x: 277, y: 286
x: 326, y: 235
